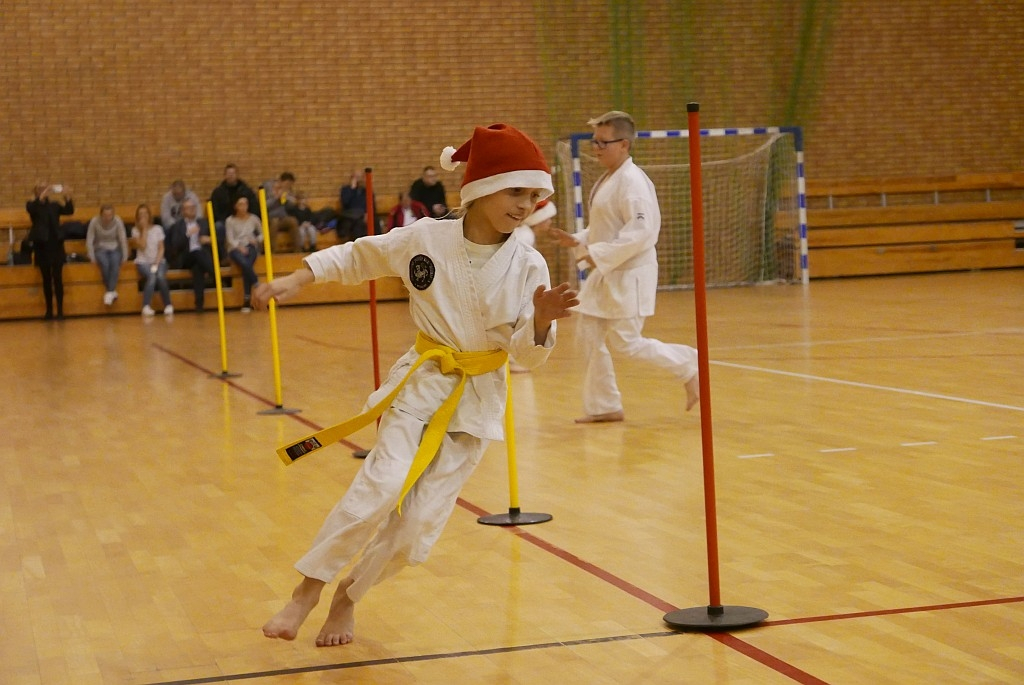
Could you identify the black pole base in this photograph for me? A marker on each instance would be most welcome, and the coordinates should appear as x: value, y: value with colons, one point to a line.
x: 715, y: 618
x: 361, y: 454
x: 225, y: 374
x: 279, y: 410
x: 514, y: 517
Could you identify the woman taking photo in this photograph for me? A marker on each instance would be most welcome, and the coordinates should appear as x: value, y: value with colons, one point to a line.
x: 47, y: 238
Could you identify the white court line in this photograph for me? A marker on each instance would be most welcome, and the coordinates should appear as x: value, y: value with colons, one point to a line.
x: 833, y: 450
x: 855, y: 384
x: 878, y: 339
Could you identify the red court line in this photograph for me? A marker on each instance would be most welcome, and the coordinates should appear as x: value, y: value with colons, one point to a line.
x: 727, y: 639
x: 245, y: 391
x: 890, y: 612
x: 581, y: 564
x: 331, y: 345
x: 613, y: 580
x: 766, y: 659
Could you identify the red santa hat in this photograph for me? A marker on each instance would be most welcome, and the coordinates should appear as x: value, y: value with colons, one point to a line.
x: 545, y: 210
x: 498, y: 157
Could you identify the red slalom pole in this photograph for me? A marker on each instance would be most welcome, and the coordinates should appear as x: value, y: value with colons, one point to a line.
x: 371, y: 226
x: 371, y: 221
x: 703, y: 367
x: 713, y: 617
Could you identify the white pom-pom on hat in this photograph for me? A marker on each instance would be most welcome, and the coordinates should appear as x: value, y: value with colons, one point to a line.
x: 446, y: 159
x: 545, y: 210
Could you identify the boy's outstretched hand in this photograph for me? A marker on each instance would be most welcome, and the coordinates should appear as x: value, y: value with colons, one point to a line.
x: 549, y: 305
x: 562, y: 238
x: 280, y: 289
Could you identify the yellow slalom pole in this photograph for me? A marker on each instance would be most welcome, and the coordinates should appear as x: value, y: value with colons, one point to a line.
x: 279, y: 407
x: 515, y: 517
x: 220, y: 295
x: 510, y: 444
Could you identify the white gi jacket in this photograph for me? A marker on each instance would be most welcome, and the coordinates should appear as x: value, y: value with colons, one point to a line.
x: 492, y: 310
x: 624, y: 224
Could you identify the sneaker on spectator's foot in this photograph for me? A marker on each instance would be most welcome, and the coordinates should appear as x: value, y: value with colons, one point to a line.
x: 113, y: 296
x: 245, y: 309
x: 107, y: 298
x: 169, y: 309
x: 148, y: 311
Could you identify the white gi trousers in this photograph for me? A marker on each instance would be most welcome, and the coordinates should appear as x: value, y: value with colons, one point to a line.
x: 365, y: 517
x: 598, y: 338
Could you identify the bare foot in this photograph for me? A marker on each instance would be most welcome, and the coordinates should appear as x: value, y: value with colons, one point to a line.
x: 610, y: 417
x: 692, y: 392
x: 285, y: 624
x: 339, y: 628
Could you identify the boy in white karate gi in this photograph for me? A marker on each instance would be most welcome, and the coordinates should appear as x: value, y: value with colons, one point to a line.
x: 477, y: 295
x: 618, y: 247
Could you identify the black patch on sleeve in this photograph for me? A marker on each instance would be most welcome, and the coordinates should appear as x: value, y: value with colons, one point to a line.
x: 421, y: 271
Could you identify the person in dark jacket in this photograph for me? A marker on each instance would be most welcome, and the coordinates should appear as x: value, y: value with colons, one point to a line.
x: 47, y: 237
x: 224, y: 196
x: 223, y: 199
x: 352, y: 224
x: 428, y: 190
x: 191, y: 247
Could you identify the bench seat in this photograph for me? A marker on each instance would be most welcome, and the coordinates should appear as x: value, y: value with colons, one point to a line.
x: 915, y: 225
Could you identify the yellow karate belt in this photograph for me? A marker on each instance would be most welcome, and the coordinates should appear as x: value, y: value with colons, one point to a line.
x: 450, y: 361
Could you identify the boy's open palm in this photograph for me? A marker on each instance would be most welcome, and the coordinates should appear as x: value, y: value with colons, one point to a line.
x: 555, y: 303
x: 562, y: 238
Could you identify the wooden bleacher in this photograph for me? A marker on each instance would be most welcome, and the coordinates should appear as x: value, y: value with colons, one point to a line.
x: 21, y: 286
x: 915, y: 225
x: 21, y: 290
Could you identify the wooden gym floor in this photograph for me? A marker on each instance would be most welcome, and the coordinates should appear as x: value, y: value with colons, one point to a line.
x: 869, y: 452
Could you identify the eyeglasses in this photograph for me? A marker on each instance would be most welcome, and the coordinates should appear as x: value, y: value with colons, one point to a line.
x: 602, y: 144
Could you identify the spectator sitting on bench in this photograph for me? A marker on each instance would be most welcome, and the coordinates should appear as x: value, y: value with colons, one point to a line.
x: 106, y: 243
x: 352, y: 223
x: 225, y: 195
x: 244, y: 234
x: 306, y: 220
x: 148, y: 241
x: 170, y: 205
x: 428, y: 190
x: 406, y: 211
x: 280, y: 199
x: 189, y: 239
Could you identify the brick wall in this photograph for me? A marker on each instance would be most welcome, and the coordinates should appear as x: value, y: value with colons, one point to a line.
x: 118, y: 98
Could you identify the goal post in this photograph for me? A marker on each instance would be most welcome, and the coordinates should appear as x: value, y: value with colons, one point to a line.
x: 754, y: 191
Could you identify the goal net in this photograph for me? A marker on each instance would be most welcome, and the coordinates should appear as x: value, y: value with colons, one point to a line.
x: 752, y: 194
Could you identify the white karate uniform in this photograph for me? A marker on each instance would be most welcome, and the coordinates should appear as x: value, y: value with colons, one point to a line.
x: 619, y: 293
x: 466, y: 309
